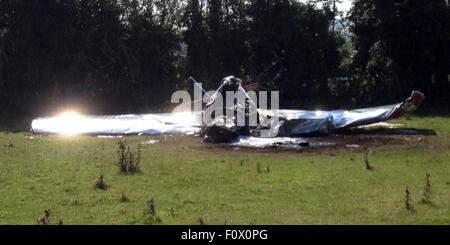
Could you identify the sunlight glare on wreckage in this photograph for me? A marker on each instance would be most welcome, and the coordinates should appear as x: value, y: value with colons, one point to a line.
x: 66, y: 123
x: 72, y: 123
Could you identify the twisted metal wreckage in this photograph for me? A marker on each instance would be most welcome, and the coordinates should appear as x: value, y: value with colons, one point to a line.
x: 224, y: 128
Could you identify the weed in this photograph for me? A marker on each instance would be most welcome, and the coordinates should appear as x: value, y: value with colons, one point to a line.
x: 124, y: 198
x: 100, y: 184
x: 128, y: 161
x: 152, y: 218
x: 427, y: 191
x: 428, y: 186
x: 151, y: 206
x: 368, y: 167
x: 200, y: 221
x: 408, y: 204
x: 407, y: 116
x: 76, y: 202
x: 46, y: 219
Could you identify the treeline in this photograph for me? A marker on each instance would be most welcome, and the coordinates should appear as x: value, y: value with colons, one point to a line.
x: 122, y: 56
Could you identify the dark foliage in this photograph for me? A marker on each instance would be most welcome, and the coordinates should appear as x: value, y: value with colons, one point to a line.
x: 111, y: 56
x: 400, y: 46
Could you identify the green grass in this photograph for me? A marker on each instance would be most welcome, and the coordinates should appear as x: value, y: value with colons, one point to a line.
x: 189, y: 179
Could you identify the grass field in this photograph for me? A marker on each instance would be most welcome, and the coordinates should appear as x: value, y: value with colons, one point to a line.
x: 189, y: 180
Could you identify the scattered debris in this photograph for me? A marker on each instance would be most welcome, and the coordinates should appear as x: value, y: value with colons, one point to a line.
x: 219, y: 134
x: 150, y: 142
x: 303, y: 144
x: 258, y: 142
x: 382, y: 125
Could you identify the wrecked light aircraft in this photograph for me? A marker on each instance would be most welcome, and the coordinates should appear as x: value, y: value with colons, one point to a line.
x: 224, y: 128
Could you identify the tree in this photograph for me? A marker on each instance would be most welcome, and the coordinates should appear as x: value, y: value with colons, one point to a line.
x: 298, y: 36
x: 412, y: 37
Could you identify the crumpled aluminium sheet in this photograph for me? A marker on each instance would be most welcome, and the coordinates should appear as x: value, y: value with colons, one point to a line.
x: 300, y: 122
x: 162, y: 123
x: 258, y: 142
x: 291, y: 122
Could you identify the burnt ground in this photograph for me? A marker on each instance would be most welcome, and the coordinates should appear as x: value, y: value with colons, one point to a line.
x: 349, y: 139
